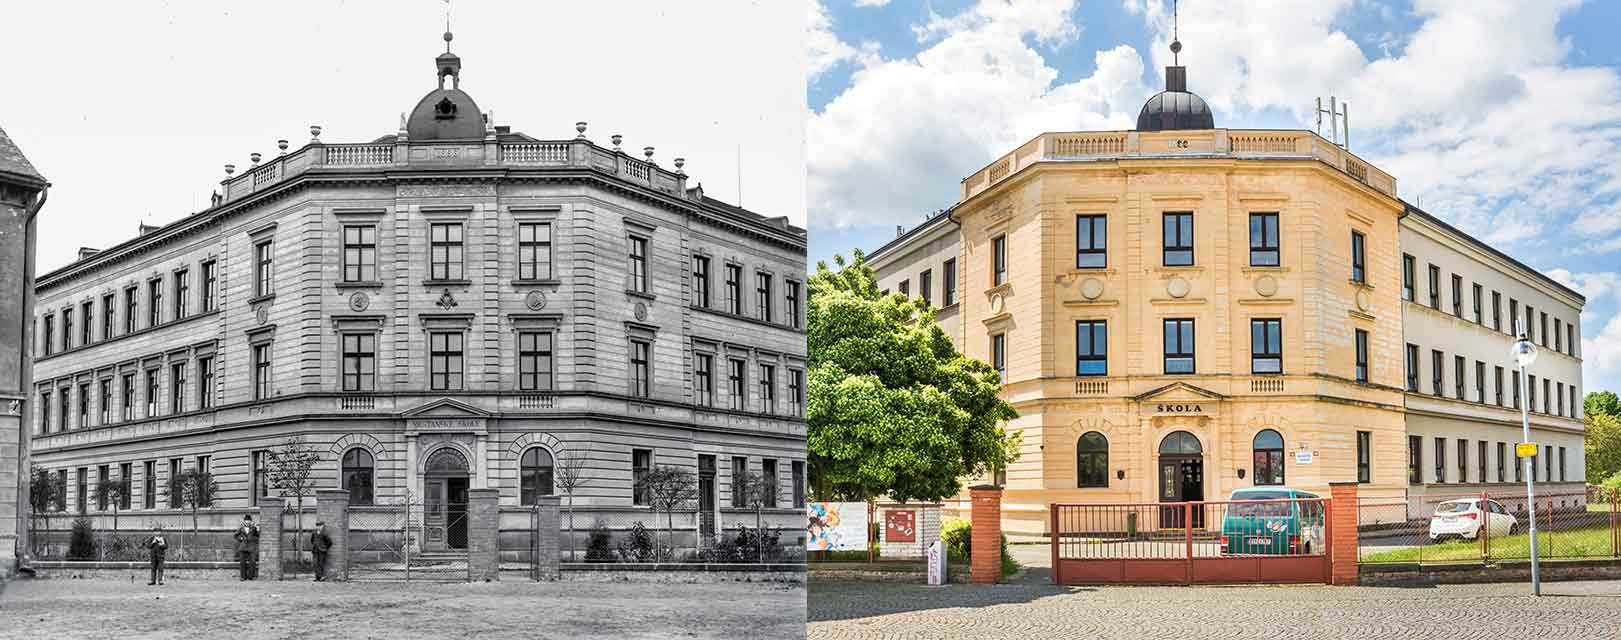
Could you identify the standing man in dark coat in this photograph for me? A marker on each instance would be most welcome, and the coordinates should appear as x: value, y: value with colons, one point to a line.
x: 320, y: 542
x: 156, y: 546
x: 247, y: 540
x: 253, y: 552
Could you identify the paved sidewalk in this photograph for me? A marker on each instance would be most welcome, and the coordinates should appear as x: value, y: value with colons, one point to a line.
x: 1031, y: 611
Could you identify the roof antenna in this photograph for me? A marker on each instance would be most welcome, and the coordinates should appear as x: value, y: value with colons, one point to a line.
x: 447, y: 26
x: 1176, y: 44
x: 740, y: 176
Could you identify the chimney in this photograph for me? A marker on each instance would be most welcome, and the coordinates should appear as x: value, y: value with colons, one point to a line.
x: 148, y: 228
x: 85, y: 252
x: 900, y: 231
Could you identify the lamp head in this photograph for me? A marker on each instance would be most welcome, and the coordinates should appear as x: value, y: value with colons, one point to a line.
x: 1524, y: 351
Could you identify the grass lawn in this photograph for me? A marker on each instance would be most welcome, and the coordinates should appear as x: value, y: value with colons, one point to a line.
x: 1598, y: 507
x: 1585, y: 542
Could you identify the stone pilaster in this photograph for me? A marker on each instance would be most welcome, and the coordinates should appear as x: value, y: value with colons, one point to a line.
x: 985, y: 543
x: 549, y: 525
x: 21, y: 197
x: 483, y: 535
x: 270, y: 510
x: 332, y: 507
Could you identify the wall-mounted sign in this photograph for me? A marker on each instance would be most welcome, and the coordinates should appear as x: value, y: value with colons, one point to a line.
x: 1304, y: 457
x: 900, y: 526
x: 1525, y: 449
x: 1179, y: 407
x: 836, y: 526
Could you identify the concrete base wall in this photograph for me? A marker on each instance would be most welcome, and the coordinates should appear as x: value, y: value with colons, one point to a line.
x: 1551, y: 570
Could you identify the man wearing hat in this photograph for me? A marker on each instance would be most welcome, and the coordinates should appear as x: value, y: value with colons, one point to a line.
x: 157, y: 547
x: 320, y: 542
x: 247, y: 544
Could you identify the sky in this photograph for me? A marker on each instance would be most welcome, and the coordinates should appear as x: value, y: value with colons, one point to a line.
x: 1502, y: 118
x: 132, y: 109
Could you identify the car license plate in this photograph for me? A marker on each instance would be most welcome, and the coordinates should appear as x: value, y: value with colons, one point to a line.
x: 1258, y: 540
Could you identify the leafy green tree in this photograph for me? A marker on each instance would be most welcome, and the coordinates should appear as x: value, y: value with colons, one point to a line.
x: 1605, y: 402
x: 894, y: 409
x: 1603, y: 446
x: 195, y: 489
x: 46, y: 492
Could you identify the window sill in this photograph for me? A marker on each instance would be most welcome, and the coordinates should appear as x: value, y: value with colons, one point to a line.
x: 363, y: 284
x: 446, y: 283
x: 536, y: 283
x: 641, y: 294
x: 264, y: 298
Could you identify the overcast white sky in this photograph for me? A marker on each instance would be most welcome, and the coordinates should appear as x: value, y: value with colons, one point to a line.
x: 131, y: 109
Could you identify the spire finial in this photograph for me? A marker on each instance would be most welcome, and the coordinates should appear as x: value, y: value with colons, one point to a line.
x: 1176, y: 44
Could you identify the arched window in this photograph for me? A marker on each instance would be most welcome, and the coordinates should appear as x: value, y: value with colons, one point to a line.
x: 1180, y: 443
x: 534, y: 474
x: 1268, y: 457
x: 1092, y: 460
x: 357, y: 475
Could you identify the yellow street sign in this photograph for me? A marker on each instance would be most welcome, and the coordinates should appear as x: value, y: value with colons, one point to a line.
x: 1525, y: 449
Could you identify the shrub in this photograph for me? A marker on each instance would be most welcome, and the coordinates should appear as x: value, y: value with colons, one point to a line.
x: 958, y: 536
x: 597, y: 549
x: 638, y: 545
x: 746, y: 546
x: 82, y: 543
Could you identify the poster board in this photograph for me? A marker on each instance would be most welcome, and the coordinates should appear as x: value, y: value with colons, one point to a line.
x: 836, y: 526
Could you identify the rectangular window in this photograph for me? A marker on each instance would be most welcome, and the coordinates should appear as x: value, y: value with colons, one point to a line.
x: 734, y: 289
x: 1546, y: 405
x: 793, y: 302
x: 50, y: 334
x: 534, y: 251
x: 1409, y: 277
x: 1575, y: 407
x: 1561, y: 464
x: 205, y: 382
x: 359, y: 253
x: 177, y: 387
x: 737, y: 387
x: 106, y: 396
x: 1361, y: 355
x: 174, y: 472
x: 83, y: 476
x: 1440, y: 459
x: 639, y: 375
x: 1502, y: 458
x: 1531, y: 390
x: 1530, y: 329
x: 264, y: 269
x: 768, y: 388
x: 1264, y: 240
x: 768, y: 477
x: 740, y: 473
x: 1359, y: 257
x: 1558, y: 336
x: 798, y: 469
x: 1091, y: 348
x: 257, y: 488
x: 130, y: 309
x: 1266, y: 345
x: 1514, y: 316
x: 445, y: 251
x: 1463, y: 460
x: 1547, y: 454
x: 84, y: 405
x: 103, y: 474
x: 359, y: 361
x: 126, y: 473
x: 1457, y: 295
x: 762, y: 295
x: 925, y: 287
x: 1519, y: 470
x: 1497, y: 311
x: 149, y: 484
x: 1437, y: 372
x: 1570, y: 337
x: 949, y: 285
x: 1480, y: 382
x: 151, y: 392
x: 1364, y: 457
x: 154, y: 303
x: 641, y: 462
x: 796, y: 392
x: 1480, y: 461
x: 905, y: 287
x: 1179, y: 345
x: 445, y: 360
x: 63, y: 396
x: 1559, y: 392
x: 535, y: 361
x: 999, y: 355
x: 1412, y: 368
x: 128, y: 399
x: 1542, y: 330
x: 700, y: 281
x: 67, y: 328
x: 998, y: 260
x: 1460, y: 377
x: 261, y: 371
x: 87, y: 313
x: 1497, y: 386
x: 1177, y: 230
x: 182, y: 294
x: 45, y: 412
x: 1435, y: 287
x: 1479, y: 303
x: 1516, y: 375
x: 209, y: 286
x: 703, y: 376
x: 1091, y: 242
x: 202, y: 467
x: 109, y: 315
x: 638, y: 264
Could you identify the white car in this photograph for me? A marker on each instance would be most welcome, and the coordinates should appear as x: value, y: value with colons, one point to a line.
x: 1463, y: 518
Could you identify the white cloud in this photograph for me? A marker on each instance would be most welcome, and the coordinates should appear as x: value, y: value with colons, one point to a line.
x: 826, y: 49
x: 1601, y: 354
x: 871, y: 3
x: 1049, y: 21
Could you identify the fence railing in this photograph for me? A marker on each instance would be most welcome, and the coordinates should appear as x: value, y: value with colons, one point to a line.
x: 1187, y: 530
x: 1488, y: 527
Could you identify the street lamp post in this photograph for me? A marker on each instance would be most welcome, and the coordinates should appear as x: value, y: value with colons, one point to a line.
x: 1525, y: 353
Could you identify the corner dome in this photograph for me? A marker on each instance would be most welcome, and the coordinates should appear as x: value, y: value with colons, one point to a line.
x: 445, y: 114
x: 1174, y: 110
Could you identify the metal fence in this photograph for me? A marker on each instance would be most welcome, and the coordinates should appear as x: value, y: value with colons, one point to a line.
x: 1487, y: 527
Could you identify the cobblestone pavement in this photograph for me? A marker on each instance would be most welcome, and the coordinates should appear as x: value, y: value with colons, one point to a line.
x: 94, y: 608
x: 1029, y: 611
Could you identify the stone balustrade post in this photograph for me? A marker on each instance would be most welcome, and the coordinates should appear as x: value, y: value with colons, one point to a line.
x: 270, y: 514
x: 483, y: 535
x: 549, y: 550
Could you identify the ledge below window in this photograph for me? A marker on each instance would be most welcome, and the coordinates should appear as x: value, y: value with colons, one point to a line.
x: 264, y: 298
x: 447, y: 283
x: 536, y: 283
x: 368, y: 284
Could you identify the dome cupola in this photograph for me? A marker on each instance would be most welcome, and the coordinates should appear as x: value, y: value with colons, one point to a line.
x: 1175, y: 108
x: 446, y: 114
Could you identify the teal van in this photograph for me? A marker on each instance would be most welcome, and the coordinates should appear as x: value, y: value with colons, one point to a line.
x: 1272, y: 528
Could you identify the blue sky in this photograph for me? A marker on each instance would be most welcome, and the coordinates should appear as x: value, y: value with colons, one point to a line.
x: 1503, y: 118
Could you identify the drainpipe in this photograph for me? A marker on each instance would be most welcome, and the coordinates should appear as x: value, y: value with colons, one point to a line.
x: 26, y: 377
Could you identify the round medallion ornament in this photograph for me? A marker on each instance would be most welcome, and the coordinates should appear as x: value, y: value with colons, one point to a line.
x: 1177, y: 287
x: 1091, y: 288
x: 1362, y: 301
x: 359, y: 301
x: 1267, y: 286
x: 261, y: 315
x: 641, y: 311
x: 997, y: 305
x: 535, y: 300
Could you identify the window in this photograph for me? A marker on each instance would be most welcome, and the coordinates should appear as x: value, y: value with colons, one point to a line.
x: 1457, y: 295
x: 1502, y: 449
x: 1092, y: 461
x: 209, y: 278
x: 998, y: 260
x: 1575, y: 408
x: 1561, y: 464
x: 1435, y: 287
x: 1361, y: 355
x: 45, y: 412
x: 534, y: 475
x: 999, y: 355
x: 793, y: 303
x: 151, y: 392
x: 1268, y: 446
x: 102, y: 476
x: 128, y: 398
x: 1497, y: 385
x: 84, y: 405
x: 768, y: 388
x: 735, y: 381
x: 1177, y: 230
x: 261, y: 371
x: 1091, y: 242
x: 534, y: 361
x: 740, y: 472
x: 905, y: 287
x: 1559, y: 392
x: 205, y: 382
x: 67, y: 328
x: 762, y: 295
x: 359, y: 361
x: 1542, y: 330
x: 1545, y: 394
x: 149, y: 489
x: 534, y: 252
x: 639, y: 378
x: 63, y: 396
x: 1408, y: 277
x: 1530, y: 330
x: 359, y: 253
x: 50, y: 334
x: 925, y: 287
x: 1558, y: 336
x: 83, y: 478
x: 1266, y: 345
x: 638, y: 264
x: 641, y: 461
x: 948, y: 291
x: 1497, y: 311
x: 768, y: 473
x: 1519, y: 470
x: 1514, y: 316
x: 1480, y: 382
x: 257, y: 486
x: 126, y: 472
x: 357, y: 475
x: 796, y: 392
x: 704, y: 379
x: 1412, y: 367
x: 154, y: 300
x: 798, y: 469
x: 177, y: 387
x: 1463, y: 460
x: 1570, y: 337
x: 263, y: 269
x: 700, y: 281
x: 1547, y: 452
x: 1179, y: 346
x: 445, y: 360
x: 1264, y: 240
x: 1478, y: 302
x: 106, y: 397
x: 1440, y: 459
x: 1460, y: 377
x: 1364, y: 457
x: 174, y: 473
x: 445, y: 251
x: 182, y: 294
x: 87, y: 313
x: 1480, y: 461
x: 1091, y: 348
x: 1359, y: 257
x: 108, y: 316
x: 734, y: 289
x: 1437, y: 372
x: 130, y: 309
x: 1517, y: 385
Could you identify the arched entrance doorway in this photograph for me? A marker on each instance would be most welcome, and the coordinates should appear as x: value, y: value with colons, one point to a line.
x: 1181, y: 479
x: 445, y: 500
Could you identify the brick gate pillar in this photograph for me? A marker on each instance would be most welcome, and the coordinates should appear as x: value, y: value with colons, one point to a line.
x: 550, y: 533
x: 1343, y: 510
x: 270, y: 510
x: 483, y: 535
x: 985, y: 544
x: 332, y: 507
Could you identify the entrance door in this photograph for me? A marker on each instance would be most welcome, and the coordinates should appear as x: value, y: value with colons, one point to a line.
x: 445, y: 501
x: 1181, y: 479
x: 706, y: 499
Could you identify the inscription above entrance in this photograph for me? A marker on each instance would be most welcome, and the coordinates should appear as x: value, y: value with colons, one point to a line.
x: 1179, y: 407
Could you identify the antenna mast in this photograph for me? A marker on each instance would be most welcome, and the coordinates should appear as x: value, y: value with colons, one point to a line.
x: 1338, y: 118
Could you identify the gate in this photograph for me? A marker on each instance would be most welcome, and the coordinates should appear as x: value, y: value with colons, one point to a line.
x: 380, y: 541
x: 1249, y: 541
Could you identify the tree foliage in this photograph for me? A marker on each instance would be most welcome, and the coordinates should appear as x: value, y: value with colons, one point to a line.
x: 671, y: 488
x: 1603, y: 446
x: 894, y: 409
x: 1605, y: 402
x: 289, y: 469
